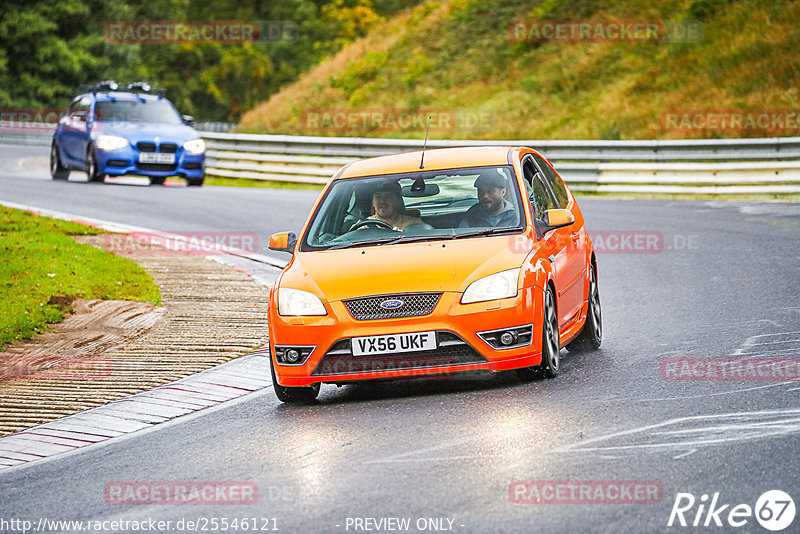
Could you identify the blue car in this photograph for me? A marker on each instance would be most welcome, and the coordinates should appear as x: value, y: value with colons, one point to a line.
x: 106, y: 132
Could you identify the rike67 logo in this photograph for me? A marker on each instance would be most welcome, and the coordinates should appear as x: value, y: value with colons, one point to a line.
x: 774, y: 510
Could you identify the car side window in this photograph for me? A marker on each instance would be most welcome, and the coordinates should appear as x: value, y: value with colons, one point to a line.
x: 73, y: 107
x: 79, y: 109
x: 555, y: 183
x: 538, y: 193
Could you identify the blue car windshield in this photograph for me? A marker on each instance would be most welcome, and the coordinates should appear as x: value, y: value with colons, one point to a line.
x: 158, y: 111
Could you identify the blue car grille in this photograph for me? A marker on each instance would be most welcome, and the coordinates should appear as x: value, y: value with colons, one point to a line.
x: 146, y: 146
x: 159, y: 167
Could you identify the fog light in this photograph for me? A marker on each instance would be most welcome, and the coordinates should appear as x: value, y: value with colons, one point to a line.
x: 506, y: 338
x: 292, y: 355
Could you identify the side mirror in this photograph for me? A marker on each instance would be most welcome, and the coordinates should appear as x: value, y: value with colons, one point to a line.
x: 558, y: 218
x: 187, y: 119
x: 283, y: 242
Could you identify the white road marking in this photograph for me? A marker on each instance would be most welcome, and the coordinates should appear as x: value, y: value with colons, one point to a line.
x: 685, y: 454
x: 710, y: 430
x: 761, y: 341
x: 684, y: 397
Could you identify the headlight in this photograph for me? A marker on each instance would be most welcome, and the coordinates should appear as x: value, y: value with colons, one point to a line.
x: 110, y: 142
x: 495, y: 286
x: 195, y: 146
x: 296, y: 302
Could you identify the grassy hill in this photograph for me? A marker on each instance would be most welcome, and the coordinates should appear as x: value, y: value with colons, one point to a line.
x: 457, y: 59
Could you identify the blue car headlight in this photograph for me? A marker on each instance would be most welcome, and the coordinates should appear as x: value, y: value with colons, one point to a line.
x: 110, y: 142
x: 195, y: 146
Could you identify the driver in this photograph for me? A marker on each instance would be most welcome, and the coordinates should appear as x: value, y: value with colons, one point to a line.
x: 387, y: 201
x: 492, y: 209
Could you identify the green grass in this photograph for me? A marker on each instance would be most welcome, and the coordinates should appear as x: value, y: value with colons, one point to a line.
x: 456, y: 56
x: 247, y: 182
x: 39, y: 260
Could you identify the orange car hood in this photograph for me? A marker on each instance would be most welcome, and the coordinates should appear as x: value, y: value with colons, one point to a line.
x: 429, y: 266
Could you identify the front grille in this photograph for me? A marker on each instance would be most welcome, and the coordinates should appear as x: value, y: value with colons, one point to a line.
x: 414, y: 305
x: 161, y: 167
x: 451, y: 350
x: 147, y: 146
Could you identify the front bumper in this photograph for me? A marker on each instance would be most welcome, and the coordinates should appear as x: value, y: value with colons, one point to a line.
x: 126, y: 161
x: 460, y: 348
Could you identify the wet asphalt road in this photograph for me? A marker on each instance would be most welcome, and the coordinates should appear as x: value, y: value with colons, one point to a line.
x: 722, y: 283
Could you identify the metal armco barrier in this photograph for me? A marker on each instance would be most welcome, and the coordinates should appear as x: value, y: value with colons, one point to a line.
x: 695, y: 166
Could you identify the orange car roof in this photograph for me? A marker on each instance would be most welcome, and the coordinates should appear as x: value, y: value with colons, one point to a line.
x: 435, y: 159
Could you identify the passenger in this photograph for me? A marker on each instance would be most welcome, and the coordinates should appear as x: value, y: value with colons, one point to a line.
x: 492, y: 210
x: 387, y: 201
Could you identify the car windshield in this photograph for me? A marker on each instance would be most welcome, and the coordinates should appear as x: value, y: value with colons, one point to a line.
x: 419, y: 206
x: 159, y: 111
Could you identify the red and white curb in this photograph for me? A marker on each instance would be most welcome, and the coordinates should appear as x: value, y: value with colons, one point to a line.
x: 202, y: 390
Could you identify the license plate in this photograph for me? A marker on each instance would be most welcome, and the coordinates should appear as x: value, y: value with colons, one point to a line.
x: 392, y: 343
x: 156, y: 157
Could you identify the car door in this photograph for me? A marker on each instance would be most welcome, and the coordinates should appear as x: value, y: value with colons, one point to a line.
x: 553, y: 244
x: 571, y: 264
x: 75, y: 132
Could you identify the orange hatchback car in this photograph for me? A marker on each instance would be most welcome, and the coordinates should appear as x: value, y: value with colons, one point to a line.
x: 419, y: 264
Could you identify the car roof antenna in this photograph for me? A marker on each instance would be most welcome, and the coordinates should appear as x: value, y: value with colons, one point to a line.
x: 422, y: 159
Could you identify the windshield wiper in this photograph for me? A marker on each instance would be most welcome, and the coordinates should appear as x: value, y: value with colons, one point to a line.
x: 363, y: 243
x: 412, y: 238
x: 398, y: 239
x: 489, y: 231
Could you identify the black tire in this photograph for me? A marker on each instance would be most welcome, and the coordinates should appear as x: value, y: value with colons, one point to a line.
x: 290, y: 395
x: 194, y: 182
x: 157, y: 180
x: 551, y: 359
x: 92, y: 173
x: 57, y: 169
x: 591, y: 337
